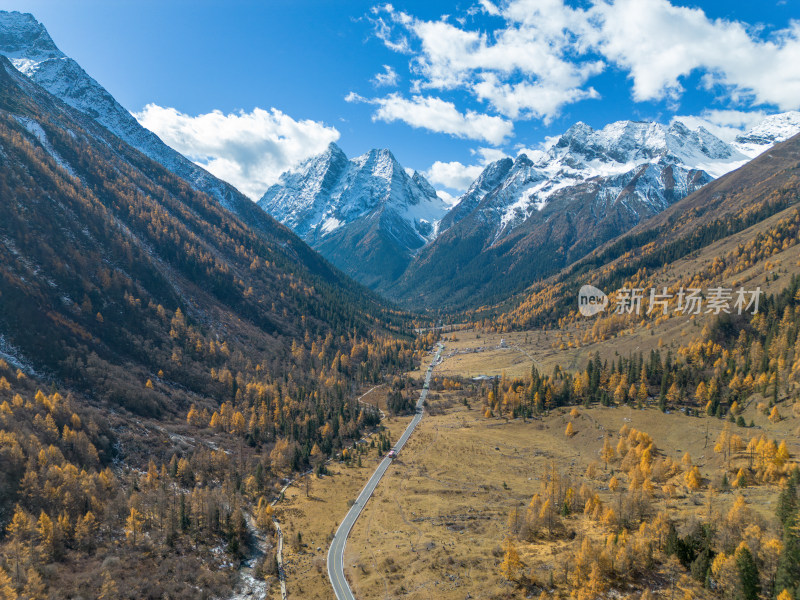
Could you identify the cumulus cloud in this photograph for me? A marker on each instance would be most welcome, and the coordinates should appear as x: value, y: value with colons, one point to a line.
x: 523, y: 70
x: 438, y: 115
x: 544, y: 54
x: 388, y: 77
x: 454, y: 175
x: 527, y: 69
x: 248, y: 150
x: 448, y: 198
x: 489, y: 155
x: 634, y: 34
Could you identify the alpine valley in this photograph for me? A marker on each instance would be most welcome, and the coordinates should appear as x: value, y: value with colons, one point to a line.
x: 522, y: 219
x: 357, y: 388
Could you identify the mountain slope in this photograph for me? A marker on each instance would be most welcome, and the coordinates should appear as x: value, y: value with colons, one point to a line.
x: 189, y: 362
x: 30, y: 48
x: 525, y: 219
x: 96, y: 224
x: 366, y: 215
x: 754, y: 199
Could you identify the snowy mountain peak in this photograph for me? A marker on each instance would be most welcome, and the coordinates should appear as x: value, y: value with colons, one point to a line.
x: 367, y: 215
x: 24, y: 40
x: 644, y: 162
x: 328, y: 191
x: 334, y: 152
x: 423, y: 183
x: 522, y: 161
x: 773, y: 129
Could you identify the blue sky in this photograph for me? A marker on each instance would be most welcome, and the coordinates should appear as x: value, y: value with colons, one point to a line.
x: 446, y: 86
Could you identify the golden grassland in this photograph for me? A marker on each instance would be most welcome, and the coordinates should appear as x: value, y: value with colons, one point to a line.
x: 437, y: 521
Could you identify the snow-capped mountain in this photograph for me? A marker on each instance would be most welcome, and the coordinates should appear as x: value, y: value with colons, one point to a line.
x: 367, y: 215
x: 529, y: 216
x: 773, y: 129
x: 32, y: 51
x: 662, y: 163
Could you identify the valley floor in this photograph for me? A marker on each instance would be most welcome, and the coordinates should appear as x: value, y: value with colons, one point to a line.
x: 437, y: 522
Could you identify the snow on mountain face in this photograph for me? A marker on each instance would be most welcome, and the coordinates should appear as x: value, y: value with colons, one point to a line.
x: 24, y: 40
x: 328, y: 191
x: 32, y: 51
x: 773, y: 129
x: 655, y: 163
x: 491, y: 177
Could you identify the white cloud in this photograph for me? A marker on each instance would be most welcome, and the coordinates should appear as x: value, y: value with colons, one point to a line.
x: 388, y: 77
x: 454, y: 175
x: 490, y: 8
x: 248, y: 150
x: 384, y: 30
x: 489, y: 155
x: 544, y: 55
x: 439, y: 116
x: 528, y: 69
x: 659, y: 44
x: 538, y: 100
x: 448, y: 198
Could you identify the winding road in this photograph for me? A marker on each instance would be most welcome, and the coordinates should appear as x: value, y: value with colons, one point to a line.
x: 336, y: 553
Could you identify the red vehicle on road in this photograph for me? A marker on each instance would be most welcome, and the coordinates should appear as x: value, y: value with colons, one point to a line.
x: 392, y: 454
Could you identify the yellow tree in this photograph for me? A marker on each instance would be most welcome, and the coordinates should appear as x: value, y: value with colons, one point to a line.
x: 85, y: 530
x: 701, y: 393
x: 7, y: 591
x: 641, y: 394
x: 18, y: 532
x: 511, y: 567
x: 782, y: 455
x: 264, y: 512
x: 34, y: 586
x: 673, y: 394
x: 570, y: 430
x: 109, y: 590
x: 693, y: 479
x: 281, y: 455
x: 44, y: 527
x: 607, y: 453
x: 134, y: 525
x: 741, y: 479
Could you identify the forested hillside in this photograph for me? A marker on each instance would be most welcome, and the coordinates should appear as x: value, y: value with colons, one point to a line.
x: 127, y: 301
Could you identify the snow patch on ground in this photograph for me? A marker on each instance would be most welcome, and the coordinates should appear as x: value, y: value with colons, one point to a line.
x: 250, y: 588
x: 331, y: 224
x: 14, y: 357
x: 36, y: 130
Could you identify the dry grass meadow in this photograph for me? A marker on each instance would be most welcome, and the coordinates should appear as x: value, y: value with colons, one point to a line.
x: 438, y: 519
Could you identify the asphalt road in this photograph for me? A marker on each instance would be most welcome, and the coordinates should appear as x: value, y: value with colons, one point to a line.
x: 336, y: 552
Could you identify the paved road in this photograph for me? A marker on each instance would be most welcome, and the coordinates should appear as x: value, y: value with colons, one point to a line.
x: 336, y: 553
